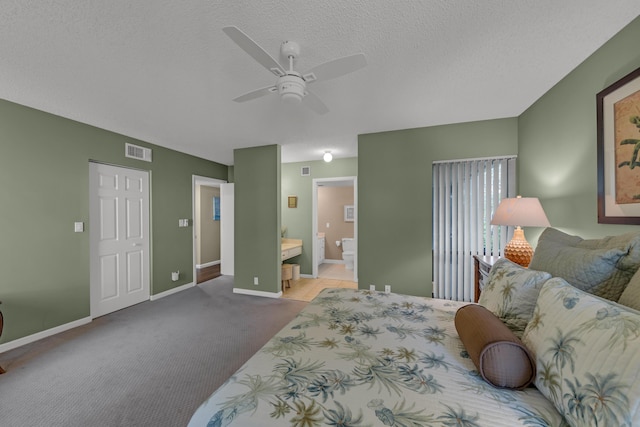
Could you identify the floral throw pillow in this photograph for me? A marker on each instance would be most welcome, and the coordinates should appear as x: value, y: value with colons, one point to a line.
x: 586, y: 351
x: 511, y: 293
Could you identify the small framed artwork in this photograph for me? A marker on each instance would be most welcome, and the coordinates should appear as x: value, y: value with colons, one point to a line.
x: 216, y: 208
x: 349, y: 213
x: 618, y: 126
x: 293, y: 201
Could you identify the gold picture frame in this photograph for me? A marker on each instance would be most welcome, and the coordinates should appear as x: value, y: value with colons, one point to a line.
x: 292, y: 201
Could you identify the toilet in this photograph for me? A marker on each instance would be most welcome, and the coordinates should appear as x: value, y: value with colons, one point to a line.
x: 348, y: 252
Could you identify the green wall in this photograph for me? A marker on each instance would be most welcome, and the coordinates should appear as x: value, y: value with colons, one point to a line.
x: 557, y: 140
x: 299, y: 220
x: 394, y: 196
x: 257, y: 218
x: 44, y: 188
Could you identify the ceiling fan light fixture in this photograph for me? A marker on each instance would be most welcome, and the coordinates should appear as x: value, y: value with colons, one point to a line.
x: 291, y: 98
x: 291, y: 89
x: 327, y: 157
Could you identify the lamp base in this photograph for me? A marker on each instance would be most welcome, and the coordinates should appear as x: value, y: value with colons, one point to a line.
x: 518, y: 250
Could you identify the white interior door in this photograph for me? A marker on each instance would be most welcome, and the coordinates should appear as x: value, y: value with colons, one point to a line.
x: 119, y: 237
x: 227, y: 225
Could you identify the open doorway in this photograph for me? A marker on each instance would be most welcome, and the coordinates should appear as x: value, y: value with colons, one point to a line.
x: 335, y: 228
x: 207, y: 228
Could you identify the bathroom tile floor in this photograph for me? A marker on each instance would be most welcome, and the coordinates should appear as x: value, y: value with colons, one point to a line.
x: 334, y: 271
x: 306, y: 289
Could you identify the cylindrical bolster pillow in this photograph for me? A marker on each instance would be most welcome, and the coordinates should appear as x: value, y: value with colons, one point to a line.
x: 498, y: 354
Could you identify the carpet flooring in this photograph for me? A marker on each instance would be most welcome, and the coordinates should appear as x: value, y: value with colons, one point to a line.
x: 151, y: 364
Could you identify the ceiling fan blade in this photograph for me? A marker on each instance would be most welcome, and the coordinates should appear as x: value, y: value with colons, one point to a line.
x: 336, y: 68
x: 314, y: 103
x: 256, y: 93
x: 254, y: 50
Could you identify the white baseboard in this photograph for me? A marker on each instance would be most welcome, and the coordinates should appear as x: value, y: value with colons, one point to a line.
x: 257, y: 293
x: 307, y: 276
x: 172, y: 291
x: 49, y: 332
x: 333, y: 261
x: 208, y: 264
x: 43, y: 334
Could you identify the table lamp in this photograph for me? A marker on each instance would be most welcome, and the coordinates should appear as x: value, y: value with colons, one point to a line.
x: 520, y: 212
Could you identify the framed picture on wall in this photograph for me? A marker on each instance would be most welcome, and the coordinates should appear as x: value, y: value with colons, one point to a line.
x: 618, y: 123
x: 292, y: 201
x: 349, y: 213
x: 216, y: 208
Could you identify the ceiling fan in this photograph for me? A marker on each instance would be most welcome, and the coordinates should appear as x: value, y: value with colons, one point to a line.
x: 292, y: 85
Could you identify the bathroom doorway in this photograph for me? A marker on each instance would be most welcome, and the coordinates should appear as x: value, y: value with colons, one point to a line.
x: 334, y: 219
x: 207, y: 228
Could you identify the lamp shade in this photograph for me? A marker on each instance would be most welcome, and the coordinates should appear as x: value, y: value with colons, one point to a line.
x: 520, y: 211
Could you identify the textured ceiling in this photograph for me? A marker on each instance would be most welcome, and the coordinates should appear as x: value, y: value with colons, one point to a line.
x: 164, y: 72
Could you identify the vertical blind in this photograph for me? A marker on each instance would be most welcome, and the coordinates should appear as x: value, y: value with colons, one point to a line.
x: 466, y: 193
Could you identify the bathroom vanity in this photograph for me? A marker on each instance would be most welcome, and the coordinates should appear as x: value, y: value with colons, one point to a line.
x: 290, y: 248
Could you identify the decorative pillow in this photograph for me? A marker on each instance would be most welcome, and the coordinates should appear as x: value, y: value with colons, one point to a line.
x: 498, y: 354
x: 601, y: 267
x: 586, y: 350
x: 631, y: 295
x: 511, y: 292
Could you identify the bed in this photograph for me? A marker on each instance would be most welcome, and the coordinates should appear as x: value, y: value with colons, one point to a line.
x: 366, y: 358
x: 554, y: 344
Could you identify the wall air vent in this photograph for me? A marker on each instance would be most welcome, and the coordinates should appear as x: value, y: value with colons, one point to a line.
x: 305, y: 171
x: 137, y: 152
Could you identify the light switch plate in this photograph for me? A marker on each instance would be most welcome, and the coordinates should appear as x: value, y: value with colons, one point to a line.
x: 78, y: 227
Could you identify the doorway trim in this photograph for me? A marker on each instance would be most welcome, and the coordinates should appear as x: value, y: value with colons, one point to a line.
x: 195, y: 181
x: 314, y: 220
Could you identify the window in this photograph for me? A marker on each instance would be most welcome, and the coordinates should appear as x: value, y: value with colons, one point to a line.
x: 466, y: 193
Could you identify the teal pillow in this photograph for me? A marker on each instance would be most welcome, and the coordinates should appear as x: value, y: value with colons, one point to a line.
x: 602, y: 267
x: 631, y: 295
x: 511, y: 293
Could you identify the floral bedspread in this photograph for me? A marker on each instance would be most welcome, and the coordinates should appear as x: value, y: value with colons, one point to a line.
x: 365, y: 358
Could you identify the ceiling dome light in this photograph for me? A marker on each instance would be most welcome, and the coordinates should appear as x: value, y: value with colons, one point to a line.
x: 327, y: 156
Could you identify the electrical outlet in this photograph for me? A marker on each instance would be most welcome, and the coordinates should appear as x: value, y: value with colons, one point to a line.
x: 255, y: 281
x: 387, y: 289
x: 372, y: 287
